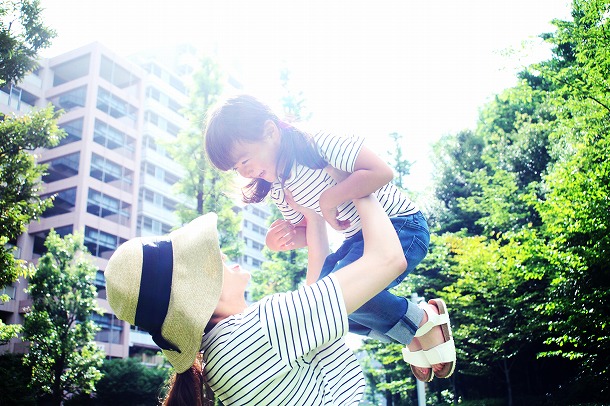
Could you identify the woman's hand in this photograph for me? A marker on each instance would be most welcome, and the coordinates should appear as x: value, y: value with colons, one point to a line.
x: 316, y: 239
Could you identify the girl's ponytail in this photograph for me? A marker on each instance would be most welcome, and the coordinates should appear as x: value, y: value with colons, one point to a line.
x: 189, y: 388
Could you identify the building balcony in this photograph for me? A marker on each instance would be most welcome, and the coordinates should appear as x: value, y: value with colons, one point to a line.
x: 141, y: 339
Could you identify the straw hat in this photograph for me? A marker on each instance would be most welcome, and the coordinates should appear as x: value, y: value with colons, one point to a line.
x: 169, y: 286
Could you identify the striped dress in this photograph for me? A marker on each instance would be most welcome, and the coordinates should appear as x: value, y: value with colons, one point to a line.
x: 287, y: 349
x: 306, y: 184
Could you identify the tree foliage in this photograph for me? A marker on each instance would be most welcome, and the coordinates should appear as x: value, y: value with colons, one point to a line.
x: 209, y: 187
x: 63, y: 355
x: 521, y: 250
x: 22, y: 34
x: 128, y: 382
x: 14, y: 378
x: 20, y: 187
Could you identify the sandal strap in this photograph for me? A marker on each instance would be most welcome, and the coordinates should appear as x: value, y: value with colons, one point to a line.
x: 442, y: 353
x: 433, y: 321
x: 415, y: 358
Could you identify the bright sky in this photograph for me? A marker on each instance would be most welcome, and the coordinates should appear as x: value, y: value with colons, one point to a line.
x: 419, y: 68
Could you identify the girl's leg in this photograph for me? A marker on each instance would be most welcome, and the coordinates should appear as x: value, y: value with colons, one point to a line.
x: 388, y: 315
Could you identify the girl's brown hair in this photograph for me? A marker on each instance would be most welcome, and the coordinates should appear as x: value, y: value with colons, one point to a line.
x: 189, y: 388
x: 242, y: 119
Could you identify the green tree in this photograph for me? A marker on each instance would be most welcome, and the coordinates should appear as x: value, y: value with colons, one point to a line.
x: 14, y: 378
x: 456, y: 158
x: 293, y: 101
x: 20, y: 187
x: 63, y: 355
x: 532, y: 279
x: 402, y: 166
x: 22, y: 35
x: 209, y: 187
x: 128, y: 382
x: 385, y: 369
x: 575, y: 209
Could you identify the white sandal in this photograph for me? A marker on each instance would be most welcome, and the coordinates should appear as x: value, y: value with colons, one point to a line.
x: 417, y: 359
x: 443, y: 353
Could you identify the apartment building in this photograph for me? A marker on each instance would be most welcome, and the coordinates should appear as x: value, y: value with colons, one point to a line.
x: 111, y: 176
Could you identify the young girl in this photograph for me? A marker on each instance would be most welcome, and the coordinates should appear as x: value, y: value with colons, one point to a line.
x: 243, y: 134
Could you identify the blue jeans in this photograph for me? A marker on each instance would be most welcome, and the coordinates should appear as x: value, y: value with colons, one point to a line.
x: 386, y: 317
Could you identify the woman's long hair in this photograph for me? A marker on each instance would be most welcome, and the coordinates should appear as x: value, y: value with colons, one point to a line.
x: 189, y: 388
x: 242, y: 119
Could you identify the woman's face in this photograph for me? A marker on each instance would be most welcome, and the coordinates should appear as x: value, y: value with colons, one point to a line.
x: 257, y: 160
x: 235, y: 278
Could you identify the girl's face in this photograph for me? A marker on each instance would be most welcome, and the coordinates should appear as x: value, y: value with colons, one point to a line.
x: 257, y: 160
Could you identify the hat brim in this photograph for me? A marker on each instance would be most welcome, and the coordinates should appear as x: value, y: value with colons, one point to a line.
x: 196, y: 287
x: 197, y: 278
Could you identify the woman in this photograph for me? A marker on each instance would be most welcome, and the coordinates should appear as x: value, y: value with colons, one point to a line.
x: 286, y: 349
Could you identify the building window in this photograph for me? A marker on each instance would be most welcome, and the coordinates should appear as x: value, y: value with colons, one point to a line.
x: 113, y: 139
x: 17, y: 98
x: 9, y: 291
x: 116, y: 107
x: 172, y: 129
x: 153, y: 93
x: 71, y: 70
x: 161, y: 122
x: 74, y: 131
x: 100, y: 243
x: 259, y: 213
x: 159, y: 173
x: 149, y: 226
x: 150, y: 143
x: 62, y: 168
x: 100, y: 284
x: 163, y: 99
x: 116, y: 74
x: 107, y: 207
x: 157, y: 199
x: 64, y: 202
x: 110, y: 328
x: 258, y: 229
x: 71, y: 100
x: 41, y: 236
x: 111, y: 173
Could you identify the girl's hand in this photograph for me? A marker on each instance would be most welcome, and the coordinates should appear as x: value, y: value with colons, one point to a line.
x: 280, y: 236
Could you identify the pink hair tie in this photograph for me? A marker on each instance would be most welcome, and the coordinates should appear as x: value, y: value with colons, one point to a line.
x: 283, y: 126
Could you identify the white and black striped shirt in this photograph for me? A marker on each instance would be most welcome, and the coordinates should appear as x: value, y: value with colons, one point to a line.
x: 287, y: 349
x: 307, y: 184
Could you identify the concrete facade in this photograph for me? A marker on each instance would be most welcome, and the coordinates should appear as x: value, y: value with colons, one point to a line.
x: 111, y: 176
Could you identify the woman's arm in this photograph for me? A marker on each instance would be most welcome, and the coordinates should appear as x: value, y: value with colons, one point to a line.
x: 383, y: 259
x: 370, y: 174
x: 317, y: 240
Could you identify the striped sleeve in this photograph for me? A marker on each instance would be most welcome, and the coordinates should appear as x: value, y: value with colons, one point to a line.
x: 301, y: 321
x: 340, y: 152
